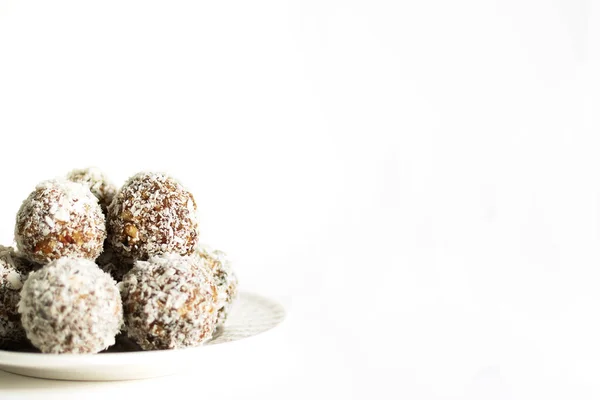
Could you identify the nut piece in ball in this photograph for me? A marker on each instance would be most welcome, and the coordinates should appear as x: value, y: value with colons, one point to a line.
x: 71, y: 306
x: 11, y: 282
x: 225, y: 279
x: 169, y: 302
x: 97, y: 182
x: 60, y: 218
x: 151, y: 215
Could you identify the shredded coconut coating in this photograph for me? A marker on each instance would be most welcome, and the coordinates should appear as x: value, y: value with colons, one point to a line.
x: 225, y: 279
x: 11, y: 282
x: 60, y: 218
x: 109, y: 262
x: 169, y: 302
x: 71, y: 306
x: 151, y: 215
x: 99, y: 184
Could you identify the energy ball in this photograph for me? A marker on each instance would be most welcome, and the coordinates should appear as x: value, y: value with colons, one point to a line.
x: 97, y: 182
x: 71, y: 306
x: 11, y: 282
x: 225, y: 279
x: 151, y: 215
x: 60, y: 218
x: 169, y: 302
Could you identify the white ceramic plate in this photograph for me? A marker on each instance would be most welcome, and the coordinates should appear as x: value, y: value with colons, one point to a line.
x: 247, y: 325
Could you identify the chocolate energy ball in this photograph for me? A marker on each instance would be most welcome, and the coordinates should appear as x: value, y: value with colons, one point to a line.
x: 11, y: 282
x: 99, y: 184
x: 60, y: 218
x: 71, y: 306
x: 169, y: 302
x: 225, y: 279
x: 151, y: 215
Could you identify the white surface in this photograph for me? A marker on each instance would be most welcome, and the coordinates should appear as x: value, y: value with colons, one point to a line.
x: 417, y: 181
x: 250, y: 328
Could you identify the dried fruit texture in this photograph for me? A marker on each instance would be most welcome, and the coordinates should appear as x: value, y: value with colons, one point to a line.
x: 71, y: 306
x: 97, y: 182
x: 225, y: 279
x: 151, y: 215
x: 60, y: 219
x: 169, y: 302
x: 11, y: 282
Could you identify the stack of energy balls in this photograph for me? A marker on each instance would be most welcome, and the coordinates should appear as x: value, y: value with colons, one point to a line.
x: 91, y: 261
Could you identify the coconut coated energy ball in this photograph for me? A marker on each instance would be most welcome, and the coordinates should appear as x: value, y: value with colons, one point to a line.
x: 151, y: 215
x: 97, y: 182
x: 11, y: 282
x: 60, y: 218
x: 225, y: 279
x: 71, y: 306
x: 169, y: 302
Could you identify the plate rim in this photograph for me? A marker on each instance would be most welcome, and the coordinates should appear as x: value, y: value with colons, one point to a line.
x: 11, y: 358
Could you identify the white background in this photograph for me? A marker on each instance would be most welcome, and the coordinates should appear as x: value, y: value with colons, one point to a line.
x: 417, y: 181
